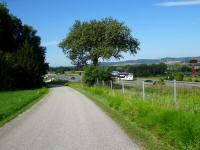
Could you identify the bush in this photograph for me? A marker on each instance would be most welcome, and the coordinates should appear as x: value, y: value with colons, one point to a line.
x: 66, y: 84
x: 94, y: 73
x: 189, y: 79
x: 176, y: 75
x: 196, y: 80
x: 179, y: 76
x: 170, y: 77
x: 161, y: 81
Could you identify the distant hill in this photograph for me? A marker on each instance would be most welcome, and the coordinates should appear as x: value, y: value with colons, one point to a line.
x: 167, y: 60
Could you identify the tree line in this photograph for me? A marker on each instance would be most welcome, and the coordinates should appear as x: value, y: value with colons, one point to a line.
x: 143, y: 70
x: 22, y: 58
x: 62, y: 69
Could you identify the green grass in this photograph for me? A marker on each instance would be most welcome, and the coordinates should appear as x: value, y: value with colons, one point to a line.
x: 76, y: 74
x: 13, y: 103
x: 192, y: 79
x: 151, y: 124
x: 188, y: 98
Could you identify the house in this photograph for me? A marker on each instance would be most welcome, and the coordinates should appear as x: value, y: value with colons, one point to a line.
x: 123, y: 75
x: 127, y: 76
x: 115, y: 73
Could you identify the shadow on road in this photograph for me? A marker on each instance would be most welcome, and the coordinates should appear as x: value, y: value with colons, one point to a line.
x: 54, y: 85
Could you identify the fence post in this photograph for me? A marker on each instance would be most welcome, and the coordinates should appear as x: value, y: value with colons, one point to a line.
x: 111, y: 86
x: 82, y: 79
x: 143, y: 90
x: 103, y: 82
x: 97, y: 81
x: 175, y: 98
x: 123, y: 86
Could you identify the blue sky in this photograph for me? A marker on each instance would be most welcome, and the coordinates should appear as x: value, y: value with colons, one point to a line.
x: 165, y: 28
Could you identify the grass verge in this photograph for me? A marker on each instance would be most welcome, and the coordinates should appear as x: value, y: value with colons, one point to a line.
x: 12, y: 103
x: 141, y: 136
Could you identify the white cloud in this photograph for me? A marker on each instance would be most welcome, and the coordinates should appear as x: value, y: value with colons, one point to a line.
x: 179, y: 3
x: 51, y: 43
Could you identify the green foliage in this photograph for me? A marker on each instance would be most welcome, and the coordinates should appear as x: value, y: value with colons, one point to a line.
x: 62, y: 69
x: 22, y: 58
x: 66, y: 84
x: 161, y: 81
x: 10, y: 29
x: 170, y: 76
x: 186, y: 68
x: 189, y: 79
x: 196, y: 80
x: 173, y: 67
x: 142, y: 70
x: 94, y: 73
x: 175, y: 76
x: 179, y: 76
x: 96, y: 39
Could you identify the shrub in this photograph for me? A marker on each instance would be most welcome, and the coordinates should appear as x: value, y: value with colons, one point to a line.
x: 161, y: 81
x: 189, y: 79
x: 94, y: 73
x: 66, y: 84
x: 178, y: 76
x: 170, y: 77
x: 196, y: 80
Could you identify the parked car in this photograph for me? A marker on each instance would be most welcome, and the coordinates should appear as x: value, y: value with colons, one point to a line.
x: 150, y: 82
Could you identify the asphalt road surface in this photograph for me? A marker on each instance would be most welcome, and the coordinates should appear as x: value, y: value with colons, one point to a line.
x: 64, y: 120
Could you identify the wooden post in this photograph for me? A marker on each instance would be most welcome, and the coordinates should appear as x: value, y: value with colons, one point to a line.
x: 175, y: 98
x: 143, y: 90
x: 123, y: 86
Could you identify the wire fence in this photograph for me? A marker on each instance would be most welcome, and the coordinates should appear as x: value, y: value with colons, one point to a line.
x: 169, y: 94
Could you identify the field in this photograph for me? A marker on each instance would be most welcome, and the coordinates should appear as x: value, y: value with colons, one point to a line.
x: 187, y: 97
x: 169, y: 126
x: 14, y: 102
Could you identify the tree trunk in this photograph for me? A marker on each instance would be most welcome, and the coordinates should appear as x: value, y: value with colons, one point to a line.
x: 95, y: 61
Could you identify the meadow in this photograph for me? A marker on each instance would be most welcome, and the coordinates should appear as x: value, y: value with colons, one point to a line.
x: 187, y: 97
x: 14, y: 102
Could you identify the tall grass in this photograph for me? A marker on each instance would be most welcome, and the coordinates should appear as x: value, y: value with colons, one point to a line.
x: 12, y: 102
x: 172, y: 125
x: 188, y: 98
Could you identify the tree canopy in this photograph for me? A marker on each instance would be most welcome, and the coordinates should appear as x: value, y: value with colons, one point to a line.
x: 22, y: 58
x: 95, y: 39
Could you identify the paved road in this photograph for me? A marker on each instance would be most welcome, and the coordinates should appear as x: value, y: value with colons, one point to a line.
x: 183, y: 83
x: 64, y: 120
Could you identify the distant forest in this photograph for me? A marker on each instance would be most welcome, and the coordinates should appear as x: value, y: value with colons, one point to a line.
x: 167, y: 60
x: 140, y: 70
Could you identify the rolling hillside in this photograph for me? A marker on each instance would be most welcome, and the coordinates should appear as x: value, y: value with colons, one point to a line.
x: 167, y: 60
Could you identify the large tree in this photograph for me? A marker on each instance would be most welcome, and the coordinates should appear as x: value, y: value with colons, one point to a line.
x: 105, y: 38
x: 22, y: 58
x: 10, y: 30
